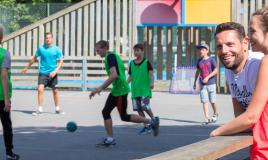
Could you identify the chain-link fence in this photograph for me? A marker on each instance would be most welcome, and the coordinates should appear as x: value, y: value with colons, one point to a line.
x: 21, y: 15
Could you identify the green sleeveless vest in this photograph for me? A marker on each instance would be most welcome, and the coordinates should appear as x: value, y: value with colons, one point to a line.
x: 2, y: 55
x: 120, y: 84
x: 140, y: 80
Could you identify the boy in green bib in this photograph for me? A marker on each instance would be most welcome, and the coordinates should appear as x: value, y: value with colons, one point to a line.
x: 5, y: 103
x: 142, y: 82
x: 115, y: 69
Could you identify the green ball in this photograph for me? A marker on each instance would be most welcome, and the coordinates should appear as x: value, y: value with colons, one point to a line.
x: 71, y: 126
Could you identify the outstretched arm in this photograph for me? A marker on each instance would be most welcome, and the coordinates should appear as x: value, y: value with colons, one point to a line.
x: 34, y: 58
x: 113, y: 75
x: 255, y: 108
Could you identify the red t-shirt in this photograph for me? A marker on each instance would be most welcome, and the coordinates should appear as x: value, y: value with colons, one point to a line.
x: 259, y: 149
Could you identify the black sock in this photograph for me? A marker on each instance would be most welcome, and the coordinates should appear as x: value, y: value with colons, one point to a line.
x: 9, y: 152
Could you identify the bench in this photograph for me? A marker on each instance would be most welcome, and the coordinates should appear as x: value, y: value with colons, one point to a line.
x: 209, y: 149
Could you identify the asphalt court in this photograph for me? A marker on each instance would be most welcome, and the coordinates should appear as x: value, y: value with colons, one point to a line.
x: 45, y: 137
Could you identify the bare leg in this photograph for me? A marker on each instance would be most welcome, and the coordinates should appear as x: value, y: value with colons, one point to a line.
x: 142, y: 115
x: 205, y: 108
x: 215, y: 108
x: 40, y: 94
x: 109, y: 127
x: 55, y: 92
x: 139, y: 119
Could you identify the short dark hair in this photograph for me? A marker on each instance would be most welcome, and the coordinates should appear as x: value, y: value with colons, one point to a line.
x: 263, y: 13
x: 138, y: 46
x: 49, y: 33
x: 103, y: 44
x: 231, y: 26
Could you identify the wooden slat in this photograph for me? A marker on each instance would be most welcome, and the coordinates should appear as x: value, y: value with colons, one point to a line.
x: 22, y: 44
x: 98, y: 21
x: 35, y: 45
x: 5, y: 45
x: 179, y: 46
x: 79, y: 33
x: 47, y: 28
x: 134, y: 28
x: 29, y: 44
x: 48, y: 19
x: 124, y: 28
x: 259, y: 4
x: 11, y: 47
x: 245, y: 15
x: 111, y: 24
x: 41, y: 35
x: 17, y: 46
x: 187, y: 39
x: 104, y: 20
x: 169, y: 53
x: 60, y: 35
x: 238, y: 16
x: 150, y: 44
x: 130, y: 28
x: 159, y: 53
x: 54, y: 30
x: 85, y: 32
x: 252, y: 7
x: 196, y: 42
x: 73, y: 34
x: 209, y: 149
x: 118, y: 25
x: 92, y: 30
x: 66, y: 35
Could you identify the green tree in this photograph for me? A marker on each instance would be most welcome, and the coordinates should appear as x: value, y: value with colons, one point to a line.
x: 21, y: 12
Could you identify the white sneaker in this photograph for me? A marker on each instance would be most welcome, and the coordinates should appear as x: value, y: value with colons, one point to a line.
x: 206, y: 122
x: 37, y: 113
x: 214, y: 118
x: 59, y: 112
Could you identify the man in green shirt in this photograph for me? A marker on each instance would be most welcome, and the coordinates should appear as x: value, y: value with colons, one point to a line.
x: 5, y: 103
x: 115, y: 69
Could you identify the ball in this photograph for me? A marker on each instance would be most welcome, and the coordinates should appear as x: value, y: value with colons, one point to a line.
x: 71, y: 126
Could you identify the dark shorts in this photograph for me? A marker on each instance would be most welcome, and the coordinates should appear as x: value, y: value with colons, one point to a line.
x: 47, y: 81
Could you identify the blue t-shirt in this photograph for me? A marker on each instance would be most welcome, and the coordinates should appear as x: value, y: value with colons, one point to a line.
x: 206, y: 67
x: 48, y: 58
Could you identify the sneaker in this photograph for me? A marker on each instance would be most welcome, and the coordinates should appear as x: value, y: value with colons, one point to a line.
x: 145, y: 130
x: 105, y: 143
x: 37, y: 113
x: 13, y: 157
x: 59, y: 112
x: 206, y: 122
x: 214, y: 118
x: 155, y: 126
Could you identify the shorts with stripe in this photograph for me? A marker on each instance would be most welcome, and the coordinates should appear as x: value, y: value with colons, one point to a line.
x: 116, y: 101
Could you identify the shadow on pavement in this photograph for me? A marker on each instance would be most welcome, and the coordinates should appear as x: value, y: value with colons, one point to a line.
x: 55, y: 143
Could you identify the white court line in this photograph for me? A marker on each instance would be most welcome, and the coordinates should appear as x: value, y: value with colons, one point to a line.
x: 100, y: 150
x: 116, y: 133
x: 70, y: 94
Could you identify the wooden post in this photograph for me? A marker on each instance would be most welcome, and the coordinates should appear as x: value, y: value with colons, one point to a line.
x: 169, y: 53
x: 149, y: 54
x: 159, y: 53
x: 179, y: 46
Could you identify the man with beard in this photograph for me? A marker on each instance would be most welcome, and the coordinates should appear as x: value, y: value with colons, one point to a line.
x: 241, y: 65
